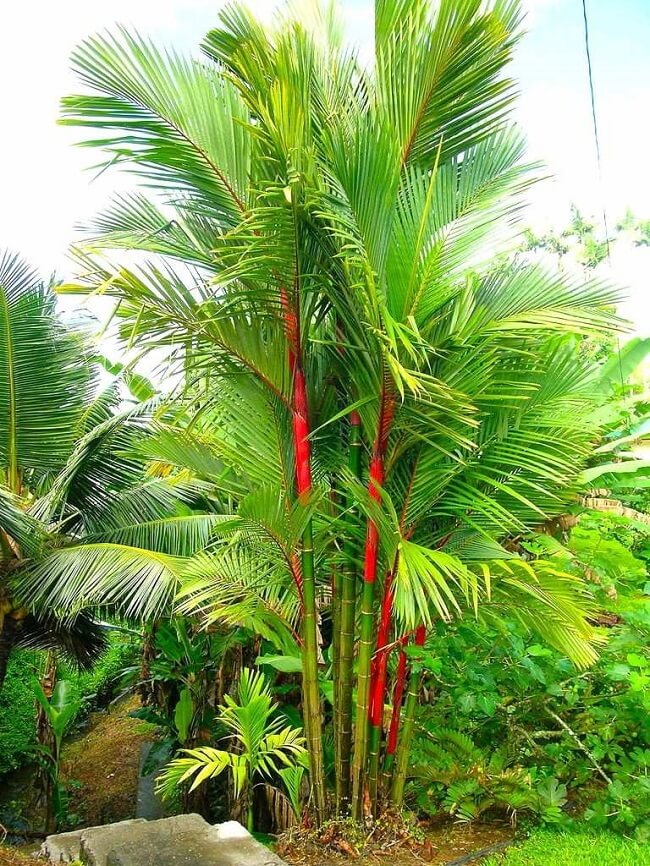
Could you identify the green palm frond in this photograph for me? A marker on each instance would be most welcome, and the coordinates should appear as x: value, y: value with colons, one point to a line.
x: 200, y: 765
x: 234, y: 586
x: 552, y: 603
x: 81, y: 642
x: 133, y: 220
x: 23, y: 530
x: 449, y: 218
x: 521, y: 297
x: 443, y: 59
x: 173, y: 120
x: 264, y: 745
x: 175, y: 535
x: 45, y: 381
x: 428, y: 580
x: 98, y: 466
x: 138, y: 583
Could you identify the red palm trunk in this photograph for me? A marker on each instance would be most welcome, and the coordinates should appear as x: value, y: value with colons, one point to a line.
x: 398, y: 696
x: 371, y: 556
x: 380, y: 662
x: 307, y: 589
x: 407, y: 725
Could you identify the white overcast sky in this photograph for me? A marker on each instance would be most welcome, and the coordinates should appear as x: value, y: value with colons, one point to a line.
x: 46, y: 189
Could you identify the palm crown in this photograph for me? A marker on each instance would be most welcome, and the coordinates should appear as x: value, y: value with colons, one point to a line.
x: 78, y: 508
x: 381, y: 402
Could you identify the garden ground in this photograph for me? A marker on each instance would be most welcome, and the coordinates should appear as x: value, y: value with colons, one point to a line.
x: 103, y: 765
x: 450, y: 844
x: 392, y: 842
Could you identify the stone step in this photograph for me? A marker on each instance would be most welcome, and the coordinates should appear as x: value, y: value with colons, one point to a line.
x: 66, y: 847
x: 183, y: 840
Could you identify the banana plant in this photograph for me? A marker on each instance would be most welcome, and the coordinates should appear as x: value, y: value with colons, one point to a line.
x: 261, y: 747
x: 60, y: 710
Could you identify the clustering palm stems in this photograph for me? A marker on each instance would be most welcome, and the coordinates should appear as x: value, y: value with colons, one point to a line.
x: 381, y: 402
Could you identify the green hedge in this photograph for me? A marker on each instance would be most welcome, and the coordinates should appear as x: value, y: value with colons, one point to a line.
x: 17, y: 714
x: 17, y: 717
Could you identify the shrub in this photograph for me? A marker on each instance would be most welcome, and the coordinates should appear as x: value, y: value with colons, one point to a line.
x: 17, y: 713
x: 102, y: 683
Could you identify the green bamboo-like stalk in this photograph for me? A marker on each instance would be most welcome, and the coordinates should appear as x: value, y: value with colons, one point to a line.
x: 310, y: 686
x: 337, y: 588
x: 404, y: 748
x: 345, y: 668
x: 408, y: 725
x: 393, y: 732
x: 374, y: 745
x: 366, y: 646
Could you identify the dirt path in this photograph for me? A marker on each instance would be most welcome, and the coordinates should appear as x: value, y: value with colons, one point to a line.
x: 101, y: 766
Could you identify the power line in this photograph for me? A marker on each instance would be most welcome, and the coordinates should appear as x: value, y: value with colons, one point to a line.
x: 594, y: 118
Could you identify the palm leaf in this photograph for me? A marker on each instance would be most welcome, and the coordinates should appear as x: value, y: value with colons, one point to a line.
x: 81, y: 642
x: 176, y: 121
x: 134, y: 582
x: 44, y: 378
x: 19, y: 525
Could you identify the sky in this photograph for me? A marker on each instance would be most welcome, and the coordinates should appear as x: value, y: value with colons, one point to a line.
x: 47, y: 189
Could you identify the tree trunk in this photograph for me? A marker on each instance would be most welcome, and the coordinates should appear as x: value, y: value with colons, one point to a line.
x: 366, y: 641
x: 310, y: 644
x: 398, y: 695
x: 408, y: 725
x: 345, y: 661
x: 45, y: 738
x: 378, y: 683
x: 146, y: 688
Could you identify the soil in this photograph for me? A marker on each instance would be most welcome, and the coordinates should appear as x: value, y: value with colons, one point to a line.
x: 11, y: 857
x: 438, y: 845
x: 101, y: 766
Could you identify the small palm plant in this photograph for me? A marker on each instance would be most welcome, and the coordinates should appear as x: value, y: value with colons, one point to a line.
x: 262, y: 747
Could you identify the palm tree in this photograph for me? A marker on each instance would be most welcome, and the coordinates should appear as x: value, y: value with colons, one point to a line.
x: 76, y: 504
x: 266, y: 748
x: 321, y: 238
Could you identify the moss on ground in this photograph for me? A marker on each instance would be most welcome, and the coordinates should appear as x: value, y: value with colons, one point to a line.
x: 101, y: 766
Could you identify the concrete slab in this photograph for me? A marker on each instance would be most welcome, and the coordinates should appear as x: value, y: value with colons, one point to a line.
x: 65, y: 847
x: 182, y: 840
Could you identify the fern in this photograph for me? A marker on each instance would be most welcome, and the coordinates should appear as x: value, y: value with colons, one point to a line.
x: 467, y: 781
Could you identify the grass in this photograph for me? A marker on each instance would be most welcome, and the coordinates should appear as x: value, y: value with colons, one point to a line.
x: 555, y: 848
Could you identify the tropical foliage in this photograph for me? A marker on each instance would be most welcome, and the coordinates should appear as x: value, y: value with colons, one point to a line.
x: 77, y: 506
x: 380, y: 410
x: 260, y: 745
